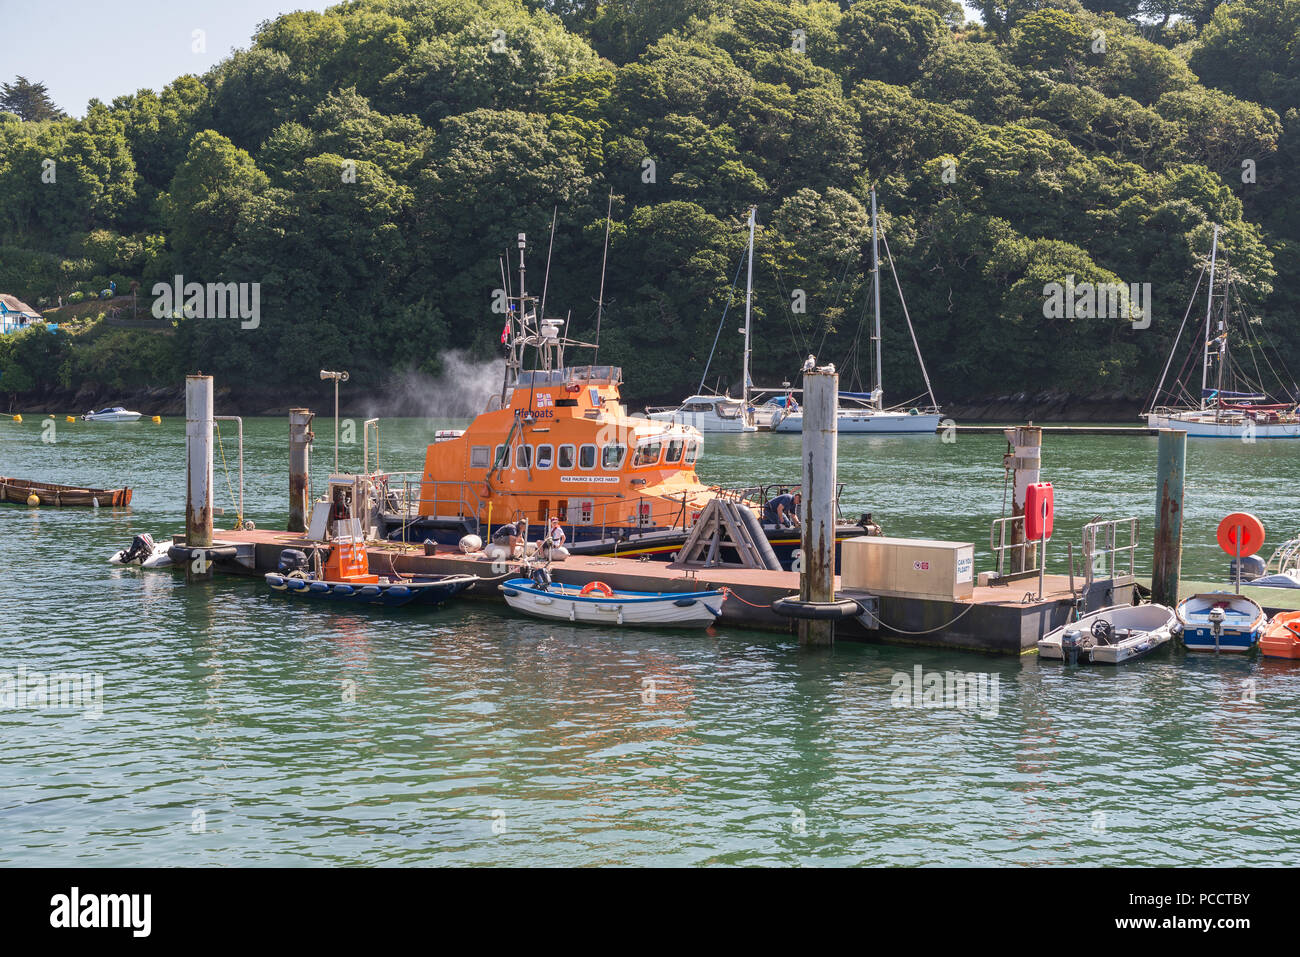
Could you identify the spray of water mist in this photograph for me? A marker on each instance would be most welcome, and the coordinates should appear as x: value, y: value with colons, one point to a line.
x: 460, y: 392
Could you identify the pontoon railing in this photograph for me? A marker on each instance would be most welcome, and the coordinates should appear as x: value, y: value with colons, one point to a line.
x: 1103, y: 546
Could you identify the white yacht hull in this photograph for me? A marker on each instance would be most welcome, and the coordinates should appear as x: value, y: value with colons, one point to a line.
x: 1232, y: 429
x: 112, y: 417
x: 702, y: 421
x: 878, y: 423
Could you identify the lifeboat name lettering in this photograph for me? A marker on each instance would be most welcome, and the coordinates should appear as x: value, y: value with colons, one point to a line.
x: 607, y: 479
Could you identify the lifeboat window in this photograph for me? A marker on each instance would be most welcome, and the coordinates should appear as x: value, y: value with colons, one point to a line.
x: 478, y: 457
x: 545, y: 456
x: 566, y: 457
x: 562, y: 508
x: 692, y: 451
x: 647, y: 453
x: 543, y: 510
x: 524, y: 457
x: 502, y: 459
x: 587, y: 457
x: 674, y: 453
x: 611, y: 457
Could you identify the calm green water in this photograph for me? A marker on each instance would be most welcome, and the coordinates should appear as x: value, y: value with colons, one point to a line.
x: 241, y: 729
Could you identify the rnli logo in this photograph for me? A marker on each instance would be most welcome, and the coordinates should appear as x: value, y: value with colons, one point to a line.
x: 545, y: 400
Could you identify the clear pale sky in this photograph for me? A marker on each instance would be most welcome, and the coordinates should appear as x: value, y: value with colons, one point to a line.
x: 104, y: 48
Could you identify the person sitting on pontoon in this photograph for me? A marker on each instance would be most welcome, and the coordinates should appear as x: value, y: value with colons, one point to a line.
x: 512, y: 537
x: 553, y: 543
x: 783, y: 510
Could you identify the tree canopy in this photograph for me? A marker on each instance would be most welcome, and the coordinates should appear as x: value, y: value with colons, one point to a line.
x: 368, y: 166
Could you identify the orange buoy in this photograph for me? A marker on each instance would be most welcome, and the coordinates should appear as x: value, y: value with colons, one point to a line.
x: 1241, y: 529
x: 592, y: 587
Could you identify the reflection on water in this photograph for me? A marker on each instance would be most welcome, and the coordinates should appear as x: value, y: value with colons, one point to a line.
x: 240, y: 728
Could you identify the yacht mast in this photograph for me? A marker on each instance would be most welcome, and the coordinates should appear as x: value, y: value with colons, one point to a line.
x: 1209, y: 312
x: 749, y: 295
x: 879, y: 388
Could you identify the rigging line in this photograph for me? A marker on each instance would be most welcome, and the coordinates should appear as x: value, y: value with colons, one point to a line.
x: 721, y: 322
x: 546, y: 279
x: 916, y: 345
x: 600, y: 297
x: 1155, y: 396
x: 1263, y: 342
x: 796, y: 339
x: 839, y: 296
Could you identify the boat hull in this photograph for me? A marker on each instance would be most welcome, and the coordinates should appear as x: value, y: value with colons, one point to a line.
x: 873, y: 423
x: 1282, y: 637
x: 1240, y: 630
x: 414, y: 591
x: 1152, y: 628
x: 625, y: 608
x: 1224, y: 430
x: 18, y: 491
x: 702, y: 422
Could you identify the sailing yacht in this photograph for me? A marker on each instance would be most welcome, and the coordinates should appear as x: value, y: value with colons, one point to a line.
x: 862, y: 412
x: 1223, y: 411
x: 719, y: 413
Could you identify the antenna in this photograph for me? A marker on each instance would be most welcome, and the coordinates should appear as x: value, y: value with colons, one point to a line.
x: 600, y: 298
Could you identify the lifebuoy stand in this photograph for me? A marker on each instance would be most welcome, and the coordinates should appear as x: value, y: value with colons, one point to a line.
x: 1039, y: 512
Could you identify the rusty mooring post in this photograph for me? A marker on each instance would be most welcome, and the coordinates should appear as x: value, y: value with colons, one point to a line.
x: 820, y: 439
x: 198, y: 470
x: 300, y: 439
x: 1025, y: 461
x: 1167, y: 563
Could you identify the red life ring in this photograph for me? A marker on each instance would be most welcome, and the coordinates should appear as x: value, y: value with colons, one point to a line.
x: 592, y: 587
x: 1252, y: 533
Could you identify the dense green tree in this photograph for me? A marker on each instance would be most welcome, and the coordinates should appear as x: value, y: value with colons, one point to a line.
x: 28, y: 101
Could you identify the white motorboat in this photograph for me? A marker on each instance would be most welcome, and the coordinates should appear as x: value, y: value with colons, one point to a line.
x: 1111, y: 636
x: 597, y: 603
x: 1223, y: 410
x: 145, y: 552
x: 115, y: 414
x: 706, y: 413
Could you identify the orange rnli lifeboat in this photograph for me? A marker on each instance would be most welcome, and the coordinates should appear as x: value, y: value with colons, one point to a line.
x: 1282, y: 636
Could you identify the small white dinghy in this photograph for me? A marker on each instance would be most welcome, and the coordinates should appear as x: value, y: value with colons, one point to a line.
x: 597, y: 603
x: 1111, y: 636
x: 145, y: 552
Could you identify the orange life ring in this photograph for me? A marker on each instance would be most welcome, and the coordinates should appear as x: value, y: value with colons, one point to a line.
x: 592, y: 587
x: 1252, y: 533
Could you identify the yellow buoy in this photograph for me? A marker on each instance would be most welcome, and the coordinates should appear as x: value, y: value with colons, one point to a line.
x: 69, y: 418
x: 33, y: 500
x: 18, y: 418
x: 157, y: 419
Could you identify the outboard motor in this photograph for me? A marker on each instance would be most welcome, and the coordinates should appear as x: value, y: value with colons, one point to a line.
x: 1252, y: 567
x: 141, y: 548
x: 541, y: 576
x: 292, y: 560
x: 1074, y: 641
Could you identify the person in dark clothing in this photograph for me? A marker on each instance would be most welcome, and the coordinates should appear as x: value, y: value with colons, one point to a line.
x: 511, y: 536
x: 783, y: 510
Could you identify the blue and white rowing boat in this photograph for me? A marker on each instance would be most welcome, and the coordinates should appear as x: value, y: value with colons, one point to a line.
x: 418, y: 590
x: 597, y: 603
x: 1221, y: 621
